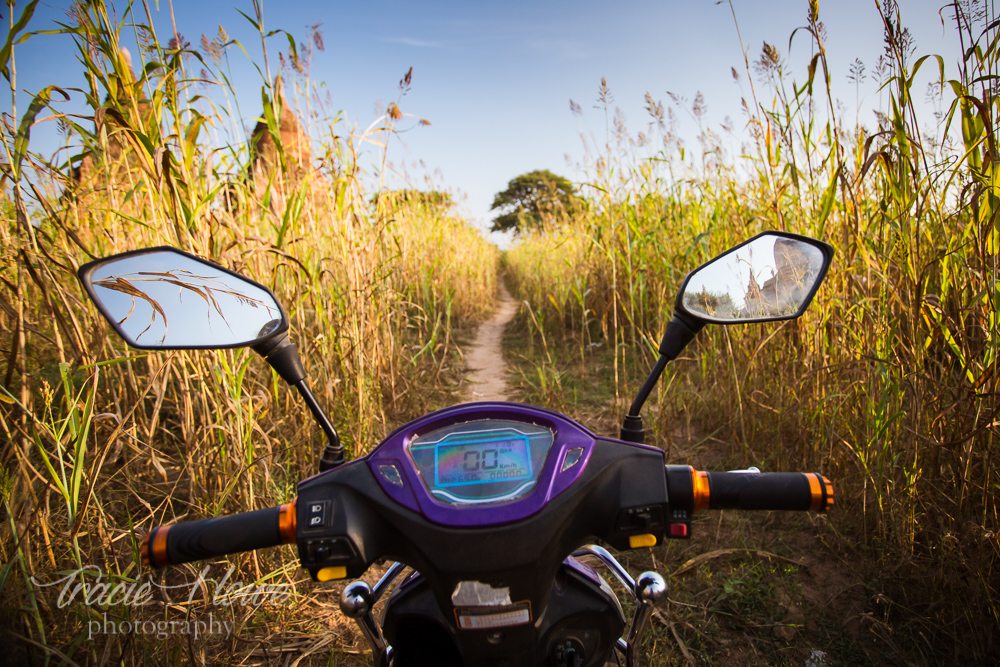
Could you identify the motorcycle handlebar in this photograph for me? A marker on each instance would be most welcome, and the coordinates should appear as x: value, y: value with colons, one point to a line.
x: 210, y: 538
x: 688, y: 489
x: 693, y: 490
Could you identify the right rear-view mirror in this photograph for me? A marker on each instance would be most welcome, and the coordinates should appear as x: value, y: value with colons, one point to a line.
x: 773, y: 276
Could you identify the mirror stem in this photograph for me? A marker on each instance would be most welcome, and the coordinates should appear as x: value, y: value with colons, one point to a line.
x: 333, y: 453
x: 681, y: 331
x: 647, y: 386
x: 285, y: 360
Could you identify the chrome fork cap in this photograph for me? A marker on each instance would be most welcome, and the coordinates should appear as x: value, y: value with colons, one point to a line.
x: 356, y: 600
x: 651, y: 587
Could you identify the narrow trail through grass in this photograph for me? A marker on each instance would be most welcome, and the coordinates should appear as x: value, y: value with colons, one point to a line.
x: 487, y: 380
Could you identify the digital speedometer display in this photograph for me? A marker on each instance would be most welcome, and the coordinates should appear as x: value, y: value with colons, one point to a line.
x: 485, y: 461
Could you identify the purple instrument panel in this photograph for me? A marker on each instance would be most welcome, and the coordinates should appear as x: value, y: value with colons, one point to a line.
x: 481, y: 464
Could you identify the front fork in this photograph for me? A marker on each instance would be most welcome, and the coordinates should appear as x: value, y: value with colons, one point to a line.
x: 358, y: 600
x: 648, y: 590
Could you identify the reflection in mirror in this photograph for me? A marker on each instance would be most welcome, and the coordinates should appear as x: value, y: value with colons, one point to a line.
x: 769, y: 278
x: 166, y: 299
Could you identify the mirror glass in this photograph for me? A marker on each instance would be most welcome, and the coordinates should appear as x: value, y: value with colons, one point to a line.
x: 772, y: 277
x: 166, y: 299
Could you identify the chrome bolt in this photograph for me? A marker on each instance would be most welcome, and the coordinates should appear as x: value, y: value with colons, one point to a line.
x: 356, y: 600
x: 651, y: 587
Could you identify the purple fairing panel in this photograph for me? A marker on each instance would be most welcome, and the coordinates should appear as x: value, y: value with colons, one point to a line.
x: 406, y: 488
x: 583, y: 569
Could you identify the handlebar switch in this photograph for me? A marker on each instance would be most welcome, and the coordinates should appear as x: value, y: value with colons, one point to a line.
x: 639, y: 526
x: 320, y: 555
x: 680, y: 531
x: 680, y: 524
x: 327, y: 550
x: 647, y: 519
x: 317, y: 516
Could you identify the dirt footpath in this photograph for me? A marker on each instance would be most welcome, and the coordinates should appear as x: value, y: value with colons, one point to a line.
x: 487, y: 378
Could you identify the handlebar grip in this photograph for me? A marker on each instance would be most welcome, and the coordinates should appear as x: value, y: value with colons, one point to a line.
x: 769, y: 491
x: 692, y: 490
x: 209, y: 538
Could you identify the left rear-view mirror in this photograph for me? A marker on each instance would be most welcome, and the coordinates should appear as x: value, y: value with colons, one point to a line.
x: 165, y: 298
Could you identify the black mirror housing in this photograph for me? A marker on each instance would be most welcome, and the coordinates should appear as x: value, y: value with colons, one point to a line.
x: 165, y: 298
x: 770, y: 277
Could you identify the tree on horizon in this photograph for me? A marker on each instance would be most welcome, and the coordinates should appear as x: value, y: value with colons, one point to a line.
x: 534, y: 201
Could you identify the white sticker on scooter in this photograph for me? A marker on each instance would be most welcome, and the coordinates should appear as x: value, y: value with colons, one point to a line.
x: 478, y: 594
x: 484, y: 618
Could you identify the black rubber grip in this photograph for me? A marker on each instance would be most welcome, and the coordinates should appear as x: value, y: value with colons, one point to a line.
x: 211, y: 538
x: 769, y: 491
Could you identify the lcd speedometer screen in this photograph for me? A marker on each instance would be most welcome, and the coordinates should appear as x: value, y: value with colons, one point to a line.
x: 483, y: 462
x: 487, y: 461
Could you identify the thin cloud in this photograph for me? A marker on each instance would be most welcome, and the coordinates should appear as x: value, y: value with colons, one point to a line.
x: 409, y: 41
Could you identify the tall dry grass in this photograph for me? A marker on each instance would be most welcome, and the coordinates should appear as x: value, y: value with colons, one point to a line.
x: 100, y: 442
x: 888, y: 384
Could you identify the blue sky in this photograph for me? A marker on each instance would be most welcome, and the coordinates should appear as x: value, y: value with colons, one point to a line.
x: 495, y: 79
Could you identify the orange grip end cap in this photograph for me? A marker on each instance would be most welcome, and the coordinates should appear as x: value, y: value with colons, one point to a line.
x: 822, y: 492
